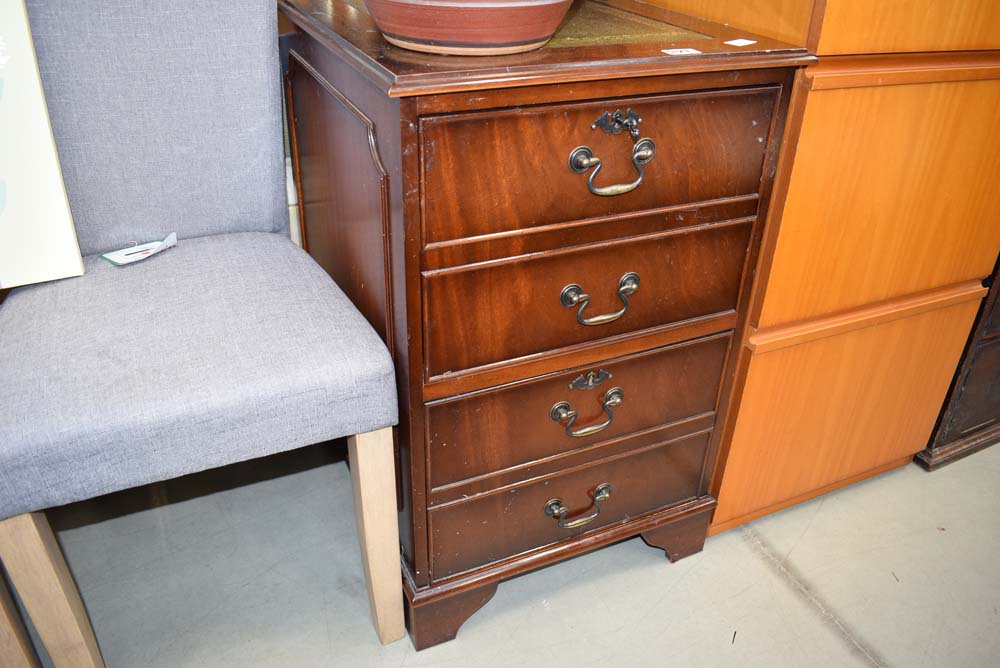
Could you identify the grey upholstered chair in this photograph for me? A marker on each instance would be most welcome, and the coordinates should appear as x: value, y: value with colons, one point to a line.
x: 230, y: 346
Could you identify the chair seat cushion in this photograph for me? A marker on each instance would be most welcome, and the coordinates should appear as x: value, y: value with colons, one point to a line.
x: 219, y: 350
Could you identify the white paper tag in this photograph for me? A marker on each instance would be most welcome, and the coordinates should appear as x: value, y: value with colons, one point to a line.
x: 681, y: 52
x: 140, y: 252
x: 741, y: 42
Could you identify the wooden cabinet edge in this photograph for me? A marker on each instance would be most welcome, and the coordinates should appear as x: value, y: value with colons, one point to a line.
x: 783, y: 336
x: 835, y: 72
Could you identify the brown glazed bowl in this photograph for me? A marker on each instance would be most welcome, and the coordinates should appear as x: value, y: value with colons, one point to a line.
x: 468, y: 27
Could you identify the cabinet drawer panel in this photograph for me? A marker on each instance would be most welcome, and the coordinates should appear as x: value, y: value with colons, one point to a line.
x: 485, y: 314
x: 899, y: 179
x: 892, y: 26
x: 834, y: 408
x: 491, y: 172
x: 493, y: 526
x: 494, y: 430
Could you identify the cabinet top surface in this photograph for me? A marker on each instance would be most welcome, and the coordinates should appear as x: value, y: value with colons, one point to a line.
x: 599, y: 39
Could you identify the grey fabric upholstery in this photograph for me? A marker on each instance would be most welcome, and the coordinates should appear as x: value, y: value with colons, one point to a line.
x: 166, y: 116
x: 222, y: 349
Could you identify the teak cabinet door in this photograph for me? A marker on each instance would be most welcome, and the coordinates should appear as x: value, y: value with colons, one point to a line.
x: 819, y: 413
x: 893, y: 191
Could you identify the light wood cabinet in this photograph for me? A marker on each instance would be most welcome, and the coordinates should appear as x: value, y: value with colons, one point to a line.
x: 843, y: 27
x: 885, y: 221
x: 820, y: 411
x: 892, y: 191
x: 896, y: 26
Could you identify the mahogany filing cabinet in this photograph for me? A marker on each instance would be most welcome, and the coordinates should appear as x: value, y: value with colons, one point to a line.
x: 557, y: 247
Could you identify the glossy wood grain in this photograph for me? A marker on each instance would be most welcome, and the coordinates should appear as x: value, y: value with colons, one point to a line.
x: 515, y: 243
x: 481, y: 315
x: 490, y: 527
x: 402, y: 317
x: 357, y: 198
x: 671, y: 529
x: 695, y: 253
x: 348, y: 32
x: 829, y: 409
x: 434, y: 622
x: 784, y: 20
x: 593, y: 352
x: 569, y: 459
x: 725, y: 525
x: 577, y: 91
x: 491, y: 431
x: 501, y: 171
x: 680, y: 539
x: 889, y: 26
x: 902, y: 181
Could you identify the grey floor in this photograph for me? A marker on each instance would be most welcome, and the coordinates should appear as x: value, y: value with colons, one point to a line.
x: 257, y: 565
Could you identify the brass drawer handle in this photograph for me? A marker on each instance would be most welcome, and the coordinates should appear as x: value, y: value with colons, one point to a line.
x: 573, y: 295
x: 582, y: 158
x: 562, y: 412
x: 556, y: 509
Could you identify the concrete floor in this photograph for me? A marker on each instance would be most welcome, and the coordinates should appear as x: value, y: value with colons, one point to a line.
x: 258, y: 565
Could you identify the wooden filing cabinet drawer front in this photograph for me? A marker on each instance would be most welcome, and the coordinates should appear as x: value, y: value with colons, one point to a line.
x: 501, y: 524
x: 480, y: 315
x: 839, y: 406
x: 899, y: 179
x: 498, y: 429
x: 501, y: 171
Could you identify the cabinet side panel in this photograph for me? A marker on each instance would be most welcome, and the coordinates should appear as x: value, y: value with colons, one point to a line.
x: 348, y: 152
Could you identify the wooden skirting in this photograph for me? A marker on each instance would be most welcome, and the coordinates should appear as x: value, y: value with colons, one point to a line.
x: 932, y: 460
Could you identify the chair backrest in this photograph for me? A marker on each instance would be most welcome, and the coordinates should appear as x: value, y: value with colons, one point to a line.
x: 166, y: 116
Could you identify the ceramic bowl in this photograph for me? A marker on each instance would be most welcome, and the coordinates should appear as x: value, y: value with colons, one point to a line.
x: 468, y: 27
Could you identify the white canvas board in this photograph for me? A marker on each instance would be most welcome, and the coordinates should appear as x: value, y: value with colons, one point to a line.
x: 37, y: 238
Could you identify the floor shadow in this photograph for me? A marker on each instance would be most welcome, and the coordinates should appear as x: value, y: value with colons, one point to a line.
x: 126, y: 502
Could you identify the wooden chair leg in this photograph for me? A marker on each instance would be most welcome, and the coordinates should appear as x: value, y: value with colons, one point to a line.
x: 373, y: 474
x: 38, y: 571
x: 15, y: 646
